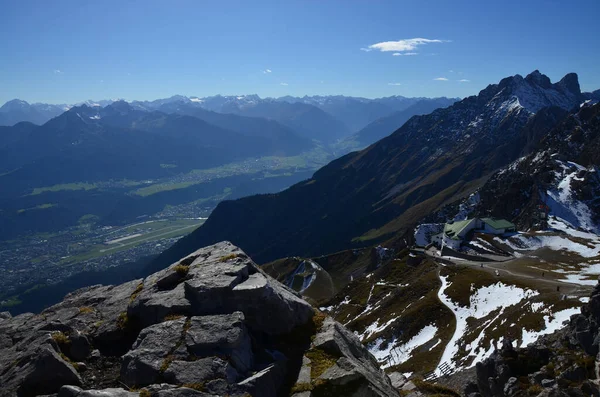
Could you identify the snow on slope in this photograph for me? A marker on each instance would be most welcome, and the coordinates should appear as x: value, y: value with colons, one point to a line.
x: 482, y: 303
x: 523, y: 242
x: 562, y: 201
x: 394, y: 355
x: 553, y: 322
x: 424, y: 231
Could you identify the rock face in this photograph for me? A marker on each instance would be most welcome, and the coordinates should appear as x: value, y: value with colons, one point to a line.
x: 338, y: 365
x: 211, y: 324
x: 565, y: 363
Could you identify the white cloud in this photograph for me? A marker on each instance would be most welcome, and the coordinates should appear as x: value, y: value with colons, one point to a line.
x: 464, y: 80
x: 441, y: 79
x: 402, y: 46
x: 283, y: 83
x: 267, y: 71
x: 399, y: 54
x: 394, y: 83
x: 58, y: 71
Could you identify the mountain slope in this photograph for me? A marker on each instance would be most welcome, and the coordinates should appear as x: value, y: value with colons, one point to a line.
x: 562, y: 174
x: 354, y: 112
x: 307, y: 120
x: 369, y: 195
x: 286, y: 139
x: 384, y: 126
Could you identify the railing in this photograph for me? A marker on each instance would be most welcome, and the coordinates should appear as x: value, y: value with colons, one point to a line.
x: 444, y: 370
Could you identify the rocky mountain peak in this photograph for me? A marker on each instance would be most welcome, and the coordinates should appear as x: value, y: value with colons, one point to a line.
x: 121, y: 107
x: 539, y: 79
x: 536, y: 91
x: 570, y: 83
x: 14, y: 105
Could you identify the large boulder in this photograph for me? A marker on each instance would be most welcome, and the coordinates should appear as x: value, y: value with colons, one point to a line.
x: 211, y: 324
x: 353, y: 371
x: 41, y: 371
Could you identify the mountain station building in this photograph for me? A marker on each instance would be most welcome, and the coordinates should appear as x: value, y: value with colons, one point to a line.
x: 456, y: 231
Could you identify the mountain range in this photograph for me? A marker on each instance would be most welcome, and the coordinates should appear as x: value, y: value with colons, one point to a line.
x: 118, y: 142
x: 324, y: 118
x: 384, y: 190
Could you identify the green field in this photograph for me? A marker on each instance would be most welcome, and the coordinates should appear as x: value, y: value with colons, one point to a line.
x: 162, y: 187
x: 65, y: 186
x: 142, y: 232
x: 37, y: 207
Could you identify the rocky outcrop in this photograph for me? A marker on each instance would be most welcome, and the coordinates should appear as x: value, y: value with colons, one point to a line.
x: 565, y: 363
x: 337, y: 364
x: 212, y: 324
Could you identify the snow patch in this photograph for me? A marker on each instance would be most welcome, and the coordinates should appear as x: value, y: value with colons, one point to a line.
x: 483, y: 302
x: 394, y: 355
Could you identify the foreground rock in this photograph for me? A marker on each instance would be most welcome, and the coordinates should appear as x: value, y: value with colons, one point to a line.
x: 212, y: 324
x: 338, y: 365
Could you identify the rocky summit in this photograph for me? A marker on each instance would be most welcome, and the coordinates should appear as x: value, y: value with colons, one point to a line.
x: 211, y: 324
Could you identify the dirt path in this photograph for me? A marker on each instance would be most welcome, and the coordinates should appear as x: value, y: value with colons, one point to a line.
x: 500, y: 268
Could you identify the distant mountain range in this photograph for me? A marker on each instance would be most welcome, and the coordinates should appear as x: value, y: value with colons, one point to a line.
x: 384, y: 190
x: 324, y: 118
x: 103, y: 145
x: 117, y: 141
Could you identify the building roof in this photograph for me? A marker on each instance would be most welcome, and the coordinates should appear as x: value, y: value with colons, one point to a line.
x: 498, y: 223
x: 453, y: 229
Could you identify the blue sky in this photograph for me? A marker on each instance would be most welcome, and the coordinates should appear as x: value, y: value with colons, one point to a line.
x: 69, y: 51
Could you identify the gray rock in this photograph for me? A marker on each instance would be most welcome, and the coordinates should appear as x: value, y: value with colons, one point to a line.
x: 80, y: 346
x: 219, y: 387
x: 5, y: 341
x: 590, y: 388
x: 305, y: 370
x: 183, y: 392
x: 511, y: 387
x: 548, y: 382
x: 5, y: 316
x: 302, y: 394
x: 536, y: 377
x: 113, y: 392
x: 153, y: 349
x: 265, y: 383
x: 228, y: 343
x: 408, y: 386
x: 153, y: 304
x: 221, y: 334
x: 81, y: 367
x: 200, y: 371
x: 44, y: 372
x: 355, y: 364
x: 165, y: 390
x: 574, y: 374
x: 398, y: 380
x: 69, y: 391
x: 228, y: 280
x: 269, y: 306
